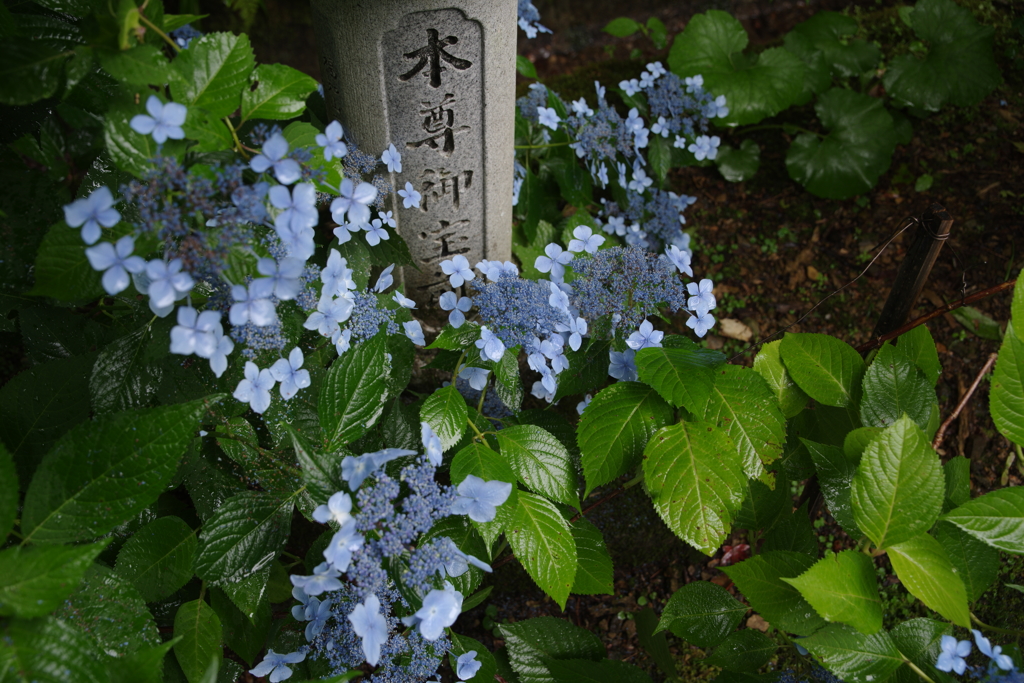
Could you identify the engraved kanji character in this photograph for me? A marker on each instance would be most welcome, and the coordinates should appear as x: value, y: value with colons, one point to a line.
x: 434, y: 52
x: 444, y: 183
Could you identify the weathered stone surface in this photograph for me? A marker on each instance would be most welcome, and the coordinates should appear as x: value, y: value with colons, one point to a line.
x: 436, y: 78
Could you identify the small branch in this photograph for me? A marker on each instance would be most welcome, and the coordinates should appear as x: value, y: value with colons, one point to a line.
x: 159, y: 32
x: 977, y: 296
x: 553, y: 144
x: 941, y: 434
x: 918, y: 671
x: 987, y: 627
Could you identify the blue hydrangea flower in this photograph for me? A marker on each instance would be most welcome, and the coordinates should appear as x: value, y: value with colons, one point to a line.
x: 680, y: 259
x: 91, y: 212
x: 255, y: 389
x: 370, y: 625
x: 554, y: 261
x: 337, y: 276
x: 330, y: 140
x: 167, y: 282
x: 458, y: 306
x: 547, y: 116
x: 529, y: 19
x: 705, y: 147
x: 164, y: 120
x: 585, y: 240
x: 276, y: 665
x: 338, y: 509
x: 283, y: 278
x: 645, y: 337
x: 622, y: 366
x: 480, y: 499
x: 196, y: 333
x: 318, y: 618
x: 375, y: 232
x: 457, y: 270
x: 345, y: 541
x: 414, y: 331
x: 116, y: 261
x: 249, y: 308
x: 275, y: 155
x: 288, y: 372
x: 701, y: 295
x: 298, y: 207
x: 431, y: 443
x: 582, y: 405
x: 404, y: 301
x: 354, y: 202
x: 323, y: 578
x: 440, y: 610
x: 994, y: 653
x: 701, y: 321
x: 467, y: 665
x: 477, y: 377
x: 491, y: 348
x: 410, y: 197
x: 392, y: 159
x: 306, y: 607
x: 951, y: 658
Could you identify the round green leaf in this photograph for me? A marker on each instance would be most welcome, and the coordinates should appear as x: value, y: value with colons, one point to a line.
x: 737, y: 165
x: 533, y: 642
x: 30, y: 70
x: 683, y: 377
x: 542, y: 541
x: 755, y: 87
x: 694, y: 476
x: 541, y: 462
x: 897, y: 491
x: 828, y: 33
x: 141, y: 65
x: 959, y: 67
x: 125, y: 376
x: 743, y: 651
x: 616, y: 427
x: 158, y: 558
x: 702, y: 613
x: 856, y: 151
x: 842, y: 587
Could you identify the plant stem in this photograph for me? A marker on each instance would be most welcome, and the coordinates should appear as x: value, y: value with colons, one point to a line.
x: 920, y: 673
x: 997, y: 629
x: 239, y: 147
x: 159, y: 32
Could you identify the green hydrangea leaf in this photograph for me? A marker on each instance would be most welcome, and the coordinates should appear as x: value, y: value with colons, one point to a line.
x: 542, y: 542
x: 214, y: 71
x: 533, y: 642
x: 616, y: 427
x: 158, y: 558
x: 1006, y: 398
x: 541, y: 462
x: 594, y: 572
x: 702, y: 613
x: 104, y: 472
x: 997, y: 518
x: 50, y: 651
x: 827, y: 369
x: 894, y: 386
x: 695, y: 478
x: 842, y: 587
x: 854, y: 656
x: 35, y: 580
x: 110, y: 610
x: 761, y: 580
x: 201, y: 635
x: 975, y: 562
x: 353, y: 392
x: 280, y: 93
x: 924, y: 568
x: 445, y: 411
x: 243, y: 536
x: 897, y: 491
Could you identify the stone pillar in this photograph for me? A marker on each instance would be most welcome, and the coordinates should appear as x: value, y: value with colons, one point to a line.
x: 436, y: 78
